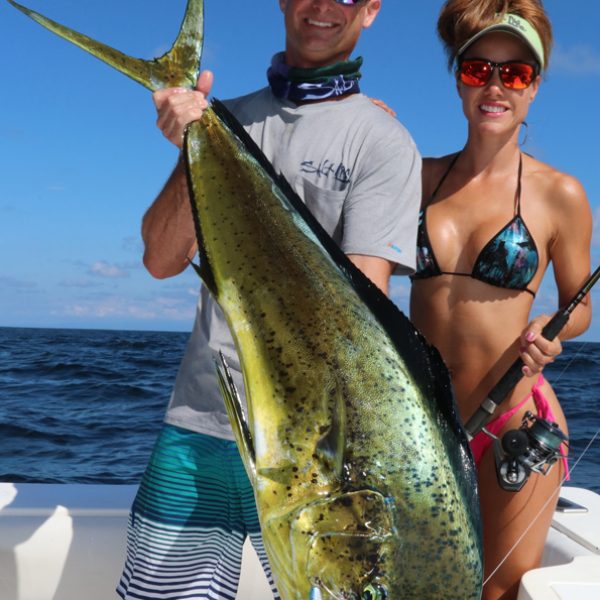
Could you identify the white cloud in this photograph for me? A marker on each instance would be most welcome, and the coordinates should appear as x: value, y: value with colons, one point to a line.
x: 577, y: 60
x: 140, y: 310
x: 104, y: 269
x: 78, y: 283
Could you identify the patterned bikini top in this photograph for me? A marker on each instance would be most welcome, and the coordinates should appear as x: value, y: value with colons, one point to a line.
x: 509, y: 260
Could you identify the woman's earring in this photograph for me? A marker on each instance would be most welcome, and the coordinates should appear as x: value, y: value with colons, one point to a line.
x: 522, y: 143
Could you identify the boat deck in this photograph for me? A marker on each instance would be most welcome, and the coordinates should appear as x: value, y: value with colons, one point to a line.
x: 67, y: 542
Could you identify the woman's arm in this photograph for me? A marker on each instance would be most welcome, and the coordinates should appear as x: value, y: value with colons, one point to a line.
x: 570, y: 255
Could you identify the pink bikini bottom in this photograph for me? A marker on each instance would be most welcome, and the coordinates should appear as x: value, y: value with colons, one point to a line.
x: 481, y: 442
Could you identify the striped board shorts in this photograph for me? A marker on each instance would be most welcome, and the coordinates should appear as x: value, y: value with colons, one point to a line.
x: 193, y: 510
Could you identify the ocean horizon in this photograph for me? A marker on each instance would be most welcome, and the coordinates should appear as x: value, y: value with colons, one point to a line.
x: 85, y: 405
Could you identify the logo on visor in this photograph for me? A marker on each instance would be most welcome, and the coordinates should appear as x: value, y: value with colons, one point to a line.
x: 516, y: 23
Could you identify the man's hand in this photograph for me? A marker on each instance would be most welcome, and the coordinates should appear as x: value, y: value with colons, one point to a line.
x: 536, y: 350
x: 383, y: 106
x: 178, y: 107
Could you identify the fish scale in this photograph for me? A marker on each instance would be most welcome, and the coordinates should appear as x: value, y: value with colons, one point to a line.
x: 363, y: 477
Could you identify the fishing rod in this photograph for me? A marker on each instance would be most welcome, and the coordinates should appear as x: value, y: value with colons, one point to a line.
x: 514, y: 374
x: 536, y: 445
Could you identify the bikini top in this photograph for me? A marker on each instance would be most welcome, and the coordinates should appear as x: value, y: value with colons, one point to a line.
x: 509, y: 260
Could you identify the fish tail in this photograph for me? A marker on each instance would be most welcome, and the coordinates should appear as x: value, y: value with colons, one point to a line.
x: 179, y: 67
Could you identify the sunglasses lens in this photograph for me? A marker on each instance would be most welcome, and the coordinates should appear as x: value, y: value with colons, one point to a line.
x: 349, y: 2
x: 516, y: 76
x: 475, y: 73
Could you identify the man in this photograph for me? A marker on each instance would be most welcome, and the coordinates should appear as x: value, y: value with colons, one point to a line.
x: 358, y: 171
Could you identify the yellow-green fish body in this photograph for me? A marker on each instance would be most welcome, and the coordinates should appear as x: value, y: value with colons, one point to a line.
x: 363, y: 478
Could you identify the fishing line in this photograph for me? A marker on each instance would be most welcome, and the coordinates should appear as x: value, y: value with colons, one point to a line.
x: 568, y: 366
x: 539, y: 514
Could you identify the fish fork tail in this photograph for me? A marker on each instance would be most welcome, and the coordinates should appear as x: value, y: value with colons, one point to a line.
x: 179, y: 67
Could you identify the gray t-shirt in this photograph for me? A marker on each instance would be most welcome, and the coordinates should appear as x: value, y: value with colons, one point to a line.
x: 359, y: 172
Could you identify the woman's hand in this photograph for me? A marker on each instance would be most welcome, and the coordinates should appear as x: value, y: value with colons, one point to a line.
x: 178, y: 107
x: 536, y: 351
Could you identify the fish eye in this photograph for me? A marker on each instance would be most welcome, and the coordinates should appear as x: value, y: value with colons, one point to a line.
x: 374, y: 591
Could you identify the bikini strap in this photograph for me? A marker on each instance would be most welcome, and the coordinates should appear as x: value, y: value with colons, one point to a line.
x: 441, y: 181
x: 518, y: 192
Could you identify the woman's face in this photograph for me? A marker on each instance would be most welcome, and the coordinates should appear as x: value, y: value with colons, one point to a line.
x: 493, y: 108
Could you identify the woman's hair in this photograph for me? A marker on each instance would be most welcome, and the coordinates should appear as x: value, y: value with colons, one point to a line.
x: 460, y: 20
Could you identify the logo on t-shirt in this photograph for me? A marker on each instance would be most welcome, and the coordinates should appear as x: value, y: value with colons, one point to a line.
x: 327, y: 168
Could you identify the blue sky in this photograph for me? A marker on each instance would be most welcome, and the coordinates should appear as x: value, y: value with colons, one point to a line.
x: 82, y: 159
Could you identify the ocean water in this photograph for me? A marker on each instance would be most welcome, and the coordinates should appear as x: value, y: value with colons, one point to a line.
x: 86, y: 405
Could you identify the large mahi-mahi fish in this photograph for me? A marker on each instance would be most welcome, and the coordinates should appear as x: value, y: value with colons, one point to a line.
x: 363, y: 478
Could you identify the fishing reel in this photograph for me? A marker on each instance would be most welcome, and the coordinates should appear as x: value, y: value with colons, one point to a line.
x: 534, y: 447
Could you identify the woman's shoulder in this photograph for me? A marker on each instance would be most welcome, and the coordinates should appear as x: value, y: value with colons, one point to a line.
x: 434, y: 168
x: 560, y: 189
x: 439, y: 162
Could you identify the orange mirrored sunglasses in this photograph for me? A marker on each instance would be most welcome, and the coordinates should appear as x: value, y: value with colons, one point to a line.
x: 514, y: 75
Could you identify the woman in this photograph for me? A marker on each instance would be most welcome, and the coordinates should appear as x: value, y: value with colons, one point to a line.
x: 493, y: 218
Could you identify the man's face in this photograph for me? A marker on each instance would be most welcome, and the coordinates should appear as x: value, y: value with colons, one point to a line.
x: 323, y: 32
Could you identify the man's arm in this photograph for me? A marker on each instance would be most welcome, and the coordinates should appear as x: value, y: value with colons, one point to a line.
x: 378, y: 270
x: 168, y: 226
x: 381, y: 214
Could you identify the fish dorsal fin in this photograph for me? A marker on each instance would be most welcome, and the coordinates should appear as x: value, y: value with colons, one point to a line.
x: 179, y: 67
x: 237, y: 419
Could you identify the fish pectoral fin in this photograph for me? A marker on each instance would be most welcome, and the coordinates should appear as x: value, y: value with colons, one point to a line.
x: 282, y: 472
x: 178, y: 67
x: 362, y: 513
x: 331, y: 444
x: 352, y: 526
x: 235, y: 412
